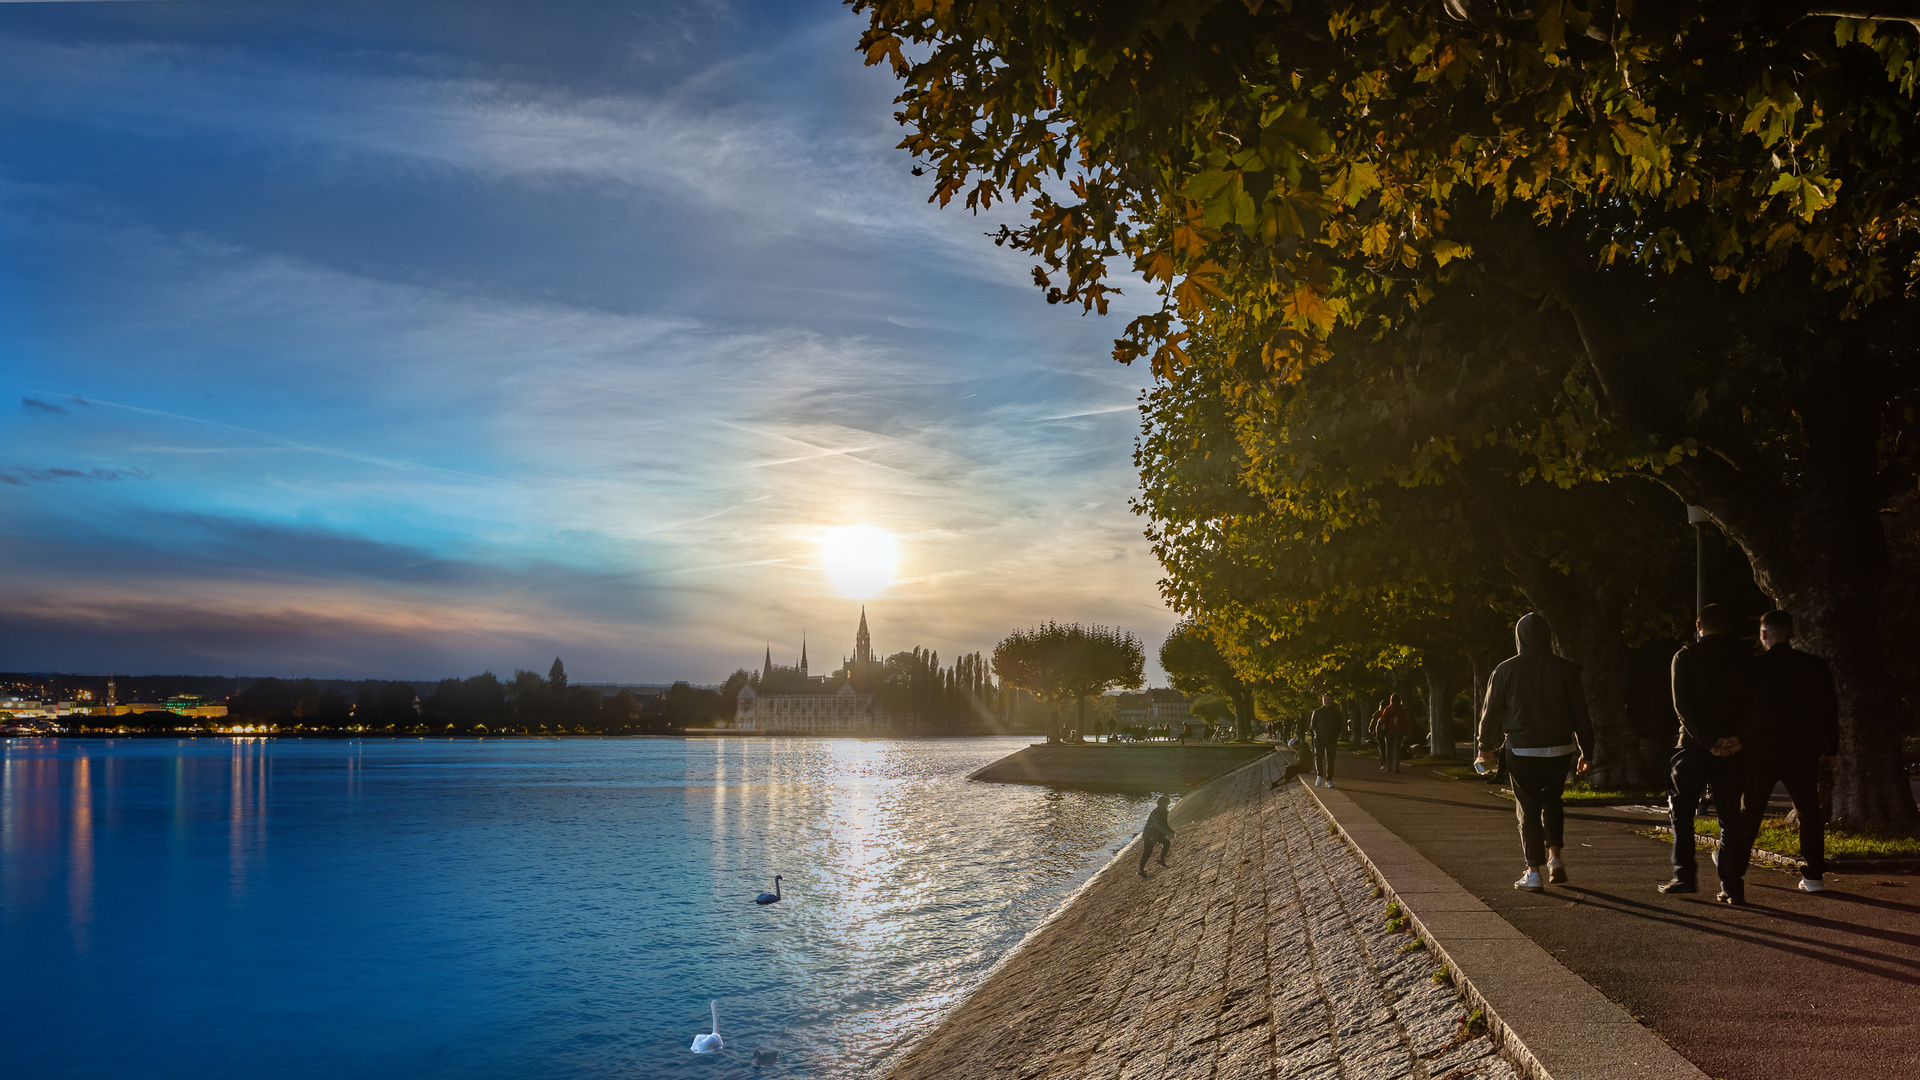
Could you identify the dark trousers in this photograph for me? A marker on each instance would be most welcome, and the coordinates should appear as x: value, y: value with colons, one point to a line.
x: 1801, y: 774
x: 1694, y: 768
x: 1147, y: 842
x: 1324, y: 749
x: 1537, y: 784
x: 1390, y: 749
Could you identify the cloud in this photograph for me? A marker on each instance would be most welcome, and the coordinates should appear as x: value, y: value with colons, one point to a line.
x: 23, y: 477
x: 33, y: 404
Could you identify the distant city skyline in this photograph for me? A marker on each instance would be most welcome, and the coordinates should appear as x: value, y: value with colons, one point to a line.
x: 410, y: 341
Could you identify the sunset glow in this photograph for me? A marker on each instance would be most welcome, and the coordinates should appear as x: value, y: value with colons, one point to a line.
x: 860, y: 560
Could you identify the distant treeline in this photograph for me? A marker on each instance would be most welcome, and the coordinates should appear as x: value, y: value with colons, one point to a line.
x: 529, y: 704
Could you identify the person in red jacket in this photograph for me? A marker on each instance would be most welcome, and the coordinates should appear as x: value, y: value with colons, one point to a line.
x: 1391, y: 725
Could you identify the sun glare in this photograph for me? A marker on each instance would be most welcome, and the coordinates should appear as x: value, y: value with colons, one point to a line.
x: 859, y: 560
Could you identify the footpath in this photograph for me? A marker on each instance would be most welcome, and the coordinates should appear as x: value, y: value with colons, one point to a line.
x: 1798, y: 985
x: 1263, y: 950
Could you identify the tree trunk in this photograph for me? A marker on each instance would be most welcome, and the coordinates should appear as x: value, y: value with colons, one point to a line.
x: 1243, y: 713
x: 1439, y: 711
x: 1819, y: 551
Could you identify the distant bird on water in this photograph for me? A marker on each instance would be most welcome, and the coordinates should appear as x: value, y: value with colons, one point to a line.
x: 710, y: 1044
x: 770, y: 897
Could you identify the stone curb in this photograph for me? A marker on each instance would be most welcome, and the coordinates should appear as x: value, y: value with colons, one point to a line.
x: 1550, y: 1023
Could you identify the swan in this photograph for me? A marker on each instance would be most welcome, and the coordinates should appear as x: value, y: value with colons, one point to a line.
x: 710, y: 1044
x: 770, y: 897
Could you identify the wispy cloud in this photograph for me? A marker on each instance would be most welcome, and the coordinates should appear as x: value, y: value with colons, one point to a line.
x: 465, y: 355
x: 23, y: 477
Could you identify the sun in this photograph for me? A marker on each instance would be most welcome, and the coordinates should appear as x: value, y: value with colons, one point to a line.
x: 859, y: 560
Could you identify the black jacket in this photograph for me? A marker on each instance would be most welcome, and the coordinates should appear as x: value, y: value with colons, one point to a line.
x: 1713, y: 691
x: 1157, y: 824
x: 1797, y: 711
x: 1326, y: 722
x: 1534, y: 699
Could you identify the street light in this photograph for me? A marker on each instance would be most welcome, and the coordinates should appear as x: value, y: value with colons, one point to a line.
x: 1697, y: 517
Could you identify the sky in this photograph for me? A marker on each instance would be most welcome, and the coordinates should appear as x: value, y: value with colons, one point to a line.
x: 415, y: 339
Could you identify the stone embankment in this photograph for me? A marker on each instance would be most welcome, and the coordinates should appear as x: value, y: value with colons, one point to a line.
x: 1264, y: 950
x: 1121, y: 766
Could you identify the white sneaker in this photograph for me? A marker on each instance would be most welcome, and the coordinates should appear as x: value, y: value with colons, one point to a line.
x: 1329, y: 783
x: 1556, y: 872
x: 1812, y: 884
x: 1529, y: 881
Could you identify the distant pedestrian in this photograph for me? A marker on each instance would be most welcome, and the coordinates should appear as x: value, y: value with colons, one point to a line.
x: 1158, y: 832
x: 1373, y: 732
x: 1713, y: 691
x: 1325, y: 723
x: 1536, y: 710
x: 1795, y: 734
x: 1392, y: 725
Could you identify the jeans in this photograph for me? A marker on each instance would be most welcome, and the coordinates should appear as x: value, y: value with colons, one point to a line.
x: 1390, y: 749
x: 1324, y: 749
x: 1801, y: 773
x: 1147, y: 842
x: 1537, y: 784
x: 1694, y: 768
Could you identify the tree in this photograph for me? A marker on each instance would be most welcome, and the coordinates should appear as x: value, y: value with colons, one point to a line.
x: 557, y: 676
x: 265, y: 701
x: 1194, y: 665
x: 1057, y: 662
x: 1711, y: 206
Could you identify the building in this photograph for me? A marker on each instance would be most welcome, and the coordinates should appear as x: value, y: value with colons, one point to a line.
x: 1153, y: 708
x: 839, y: 704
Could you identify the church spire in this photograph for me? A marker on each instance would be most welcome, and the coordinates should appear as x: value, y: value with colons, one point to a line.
x: 863, y: 641
x: 766, y: 672
x: 803, y: 655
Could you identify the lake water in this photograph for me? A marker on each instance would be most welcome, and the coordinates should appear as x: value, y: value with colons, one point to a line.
x: 511, y: 908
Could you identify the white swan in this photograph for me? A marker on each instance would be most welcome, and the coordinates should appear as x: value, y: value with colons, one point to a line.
x: 770, y: 897
x: 710, y: 1044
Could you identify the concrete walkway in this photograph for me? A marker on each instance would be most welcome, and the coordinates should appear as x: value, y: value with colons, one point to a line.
x: 1262, y: 951
x: 1795, y: 986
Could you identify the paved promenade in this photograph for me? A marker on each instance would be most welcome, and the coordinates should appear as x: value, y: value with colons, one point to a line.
x: 1794, y: 986
x: 1262, y: 951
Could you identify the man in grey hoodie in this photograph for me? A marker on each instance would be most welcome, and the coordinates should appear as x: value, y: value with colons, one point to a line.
x: 1536, y: 710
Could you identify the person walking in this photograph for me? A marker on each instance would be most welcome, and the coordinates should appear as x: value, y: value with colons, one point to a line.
x: 1713, y: 691
x: 1326, y: 723
x: 1373, y: 732
x: 1536, y: 711
x: 1795, y: 734
x: 1393, y: 724
x: 1157, y: 833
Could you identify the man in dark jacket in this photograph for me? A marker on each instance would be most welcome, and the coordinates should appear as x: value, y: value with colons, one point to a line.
x: 1326, y: 723
x: 1536, y: 710
x: 1713, y: 691
x: 1796, y: 731
x: 1158, y: 833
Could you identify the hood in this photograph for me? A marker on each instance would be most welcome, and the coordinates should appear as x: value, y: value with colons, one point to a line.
x: 1532, y: 635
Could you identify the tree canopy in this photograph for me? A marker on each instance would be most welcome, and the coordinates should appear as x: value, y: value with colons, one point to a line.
x: 1431, y: 245
x: 1069, y: 662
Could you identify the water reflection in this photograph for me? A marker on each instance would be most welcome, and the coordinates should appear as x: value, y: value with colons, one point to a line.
x: 512, y: 908
x: 80, y: 854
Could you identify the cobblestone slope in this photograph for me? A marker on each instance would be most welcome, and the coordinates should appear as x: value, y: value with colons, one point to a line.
x: 1262, y: 951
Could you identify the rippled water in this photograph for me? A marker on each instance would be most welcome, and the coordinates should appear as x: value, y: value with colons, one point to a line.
x: 511, y: 908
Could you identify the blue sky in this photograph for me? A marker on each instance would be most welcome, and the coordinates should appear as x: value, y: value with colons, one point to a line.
x: 415, y: 339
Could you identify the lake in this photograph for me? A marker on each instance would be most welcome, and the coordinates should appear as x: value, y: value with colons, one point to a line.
x: 512, y: 907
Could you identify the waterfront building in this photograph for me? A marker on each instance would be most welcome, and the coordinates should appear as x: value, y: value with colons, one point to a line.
x: 843, y: 703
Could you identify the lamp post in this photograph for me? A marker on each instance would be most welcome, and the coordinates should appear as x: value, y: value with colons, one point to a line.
x: 1697, y: 518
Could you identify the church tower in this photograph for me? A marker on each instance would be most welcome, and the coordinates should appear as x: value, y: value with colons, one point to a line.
x: 803, y: 656
x: 863, y: 641
x: 766, y: 672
